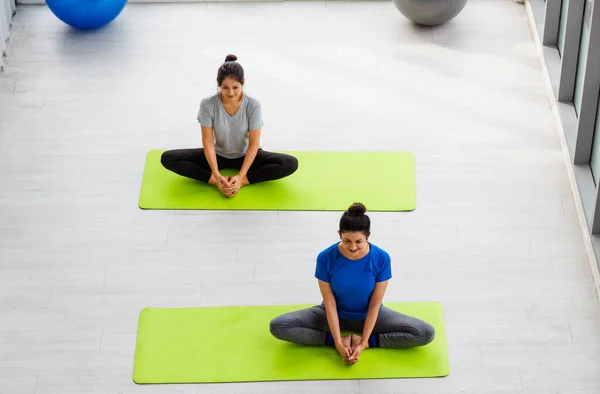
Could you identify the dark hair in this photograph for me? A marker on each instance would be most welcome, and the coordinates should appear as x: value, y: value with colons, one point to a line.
x: 230, y: 69
x: 354, y: 219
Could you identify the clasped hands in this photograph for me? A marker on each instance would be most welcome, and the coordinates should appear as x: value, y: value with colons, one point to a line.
x: 229, y: 186
x: 350, y: 348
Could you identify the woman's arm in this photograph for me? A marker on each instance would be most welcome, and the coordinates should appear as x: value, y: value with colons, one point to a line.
x: 331, y: 311
x: 373, y: 311
x: 253, y: 145
x: 208, y: 143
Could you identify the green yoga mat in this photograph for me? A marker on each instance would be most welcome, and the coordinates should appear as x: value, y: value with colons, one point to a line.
x: 324, y: 181
x: 233, y: 344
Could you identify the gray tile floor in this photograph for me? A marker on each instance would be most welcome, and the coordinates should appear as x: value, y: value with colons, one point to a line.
x: 495, y: 236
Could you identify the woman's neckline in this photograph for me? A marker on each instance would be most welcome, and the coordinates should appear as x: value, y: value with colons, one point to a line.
x: 237, y: 110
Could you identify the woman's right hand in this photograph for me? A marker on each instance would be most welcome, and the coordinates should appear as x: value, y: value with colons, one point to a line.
x: 224, y: 185
x: 344, y: 351
x: 220, y: 179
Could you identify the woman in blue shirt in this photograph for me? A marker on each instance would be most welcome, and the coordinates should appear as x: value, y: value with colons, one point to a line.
x: 353, y: 275
x: 231, y: 123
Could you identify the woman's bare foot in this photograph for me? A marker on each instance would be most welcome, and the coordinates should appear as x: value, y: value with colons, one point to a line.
x: 355, y: 340
x: 212, y: 180
x: 225, y: 190
x: 230, y: 190
x: 347, y: 341
x: 357, y: 348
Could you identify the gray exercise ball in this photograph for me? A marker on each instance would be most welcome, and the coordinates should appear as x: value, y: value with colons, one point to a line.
x: 430, y: 12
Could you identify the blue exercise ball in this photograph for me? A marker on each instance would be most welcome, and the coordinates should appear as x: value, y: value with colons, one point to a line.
x: 430, y: 12
x: 86, y: 14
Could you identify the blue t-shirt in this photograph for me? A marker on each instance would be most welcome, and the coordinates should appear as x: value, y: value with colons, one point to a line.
x: 353, y: 281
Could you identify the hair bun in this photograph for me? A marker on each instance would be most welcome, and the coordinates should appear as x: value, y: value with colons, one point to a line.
x: 357, y: 209
x: 230, y: 58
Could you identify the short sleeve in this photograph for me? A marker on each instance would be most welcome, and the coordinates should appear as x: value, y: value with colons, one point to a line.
x: 255, y: 120
x: 322, y: 270
x: 205, y: 114
x: 385, y: 268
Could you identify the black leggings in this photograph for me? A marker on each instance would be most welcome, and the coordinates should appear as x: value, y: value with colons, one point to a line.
x: 192, y: 163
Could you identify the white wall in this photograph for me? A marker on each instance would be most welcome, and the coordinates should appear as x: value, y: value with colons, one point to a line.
x: 7, y: 9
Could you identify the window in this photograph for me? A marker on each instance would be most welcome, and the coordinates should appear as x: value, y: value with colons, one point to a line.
x: 595, y: 160
x: 562, y: 28
x: 583, y: 52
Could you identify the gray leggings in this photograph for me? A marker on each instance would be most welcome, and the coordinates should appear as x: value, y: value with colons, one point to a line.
x: 392, y: 329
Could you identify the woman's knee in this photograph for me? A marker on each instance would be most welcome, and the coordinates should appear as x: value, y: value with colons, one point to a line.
x: 167, y: 158
x: 426, y: 333
x: 290, y: 163
x: 277, y: 326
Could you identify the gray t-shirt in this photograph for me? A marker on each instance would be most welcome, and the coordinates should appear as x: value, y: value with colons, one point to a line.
x: 230, y: 132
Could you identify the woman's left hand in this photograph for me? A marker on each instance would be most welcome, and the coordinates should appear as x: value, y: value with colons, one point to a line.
x: 237, y: 181
x: 236, y: 184
x: 357, y: 347
x: 356, y: 351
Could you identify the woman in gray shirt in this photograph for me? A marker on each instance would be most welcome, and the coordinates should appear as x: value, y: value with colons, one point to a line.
x: 231, y: 124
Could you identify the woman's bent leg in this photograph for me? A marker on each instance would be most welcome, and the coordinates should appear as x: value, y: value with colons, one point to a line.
x: 190, y: 163
x: 396, y: 330
x: 269, y: 166
x: 305, y: 327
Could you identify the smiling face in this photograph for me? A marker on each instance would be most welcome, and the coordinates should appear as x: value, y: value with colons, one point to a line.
x: 231, y: 90
x: 354, y: 243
